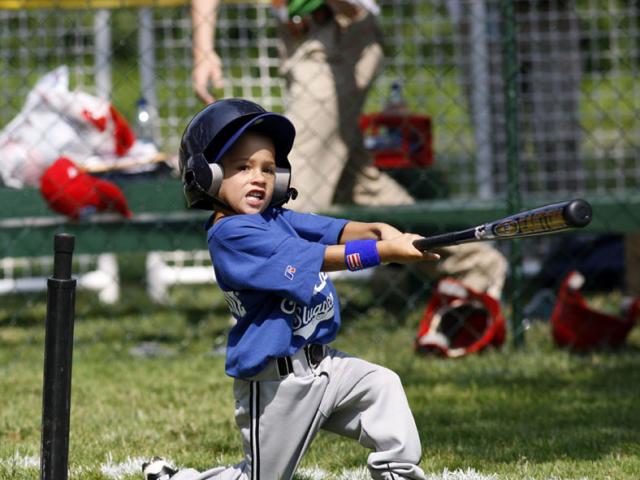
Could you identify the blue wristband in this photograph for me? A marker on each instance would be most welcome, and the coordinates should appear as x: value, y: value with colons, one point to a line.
x: 359, y: 254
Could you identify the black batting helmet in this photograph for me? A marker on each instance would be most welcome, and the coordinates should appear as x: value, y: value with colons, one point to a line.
x: 213, y: 131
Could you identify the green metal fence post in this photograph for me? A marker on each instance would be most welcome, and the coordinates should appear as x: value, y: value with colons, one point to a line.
x: 514, y: 200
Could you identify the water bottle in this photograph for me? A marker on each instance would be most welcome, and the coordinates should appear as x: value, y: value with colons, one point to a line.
x: 395, y: 101
x: 396, y: 105
x: 144, y: 121
x: 388, y: 137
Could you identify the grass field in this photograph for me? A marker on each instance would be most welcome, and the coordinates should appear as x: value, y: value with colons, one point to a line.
x: 538, y: 412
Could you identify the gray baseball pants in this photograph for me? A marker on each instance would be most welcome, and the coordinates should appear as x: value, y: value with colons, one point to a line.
x: 279, y: 417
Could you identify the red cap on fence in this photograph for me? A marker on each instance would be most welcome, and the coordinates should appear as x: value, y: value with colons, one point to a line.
x: 72, y: 192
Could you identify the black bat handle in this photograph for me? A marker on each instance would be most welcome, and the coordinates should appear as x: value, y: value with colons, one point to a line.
x: 453, y: 238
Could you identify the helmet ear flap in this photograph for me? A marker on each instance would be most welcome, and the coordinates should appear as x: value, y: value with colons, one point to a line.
x: 281, y: 191
x: 202, y: 175
x: 217, y: 174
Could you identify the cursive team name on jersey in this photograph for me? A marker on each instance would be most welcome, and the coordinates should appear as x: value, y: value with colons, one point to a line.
x: 306, y: 318
x: 234, y: 304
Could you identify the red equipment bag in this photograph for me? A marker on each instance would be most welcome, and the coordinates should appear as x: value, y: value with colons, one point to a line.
x: 398, y: 140
x: 459, y: 320
x: 574, y: 324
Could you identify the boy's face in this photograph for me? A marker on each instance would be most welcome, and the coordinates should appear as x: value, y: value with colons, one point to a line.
x: 249, y: 174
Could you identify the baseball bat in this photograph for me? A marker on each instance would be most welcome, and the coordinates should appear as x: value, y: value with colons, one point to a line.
x: 553, y: 218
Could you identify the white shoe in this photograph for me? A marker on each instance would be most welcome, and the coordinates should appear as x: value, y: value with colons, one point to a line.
x: 157, y: 469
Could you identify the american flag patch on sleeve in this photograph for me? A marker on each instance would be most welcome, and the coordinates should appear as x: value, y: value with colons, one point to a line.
x: 290, y: 271
x: 354, y: 262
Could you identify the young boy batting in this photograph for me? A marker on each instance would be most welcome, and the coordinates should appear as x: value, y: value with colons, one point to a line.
x: 272, y: 263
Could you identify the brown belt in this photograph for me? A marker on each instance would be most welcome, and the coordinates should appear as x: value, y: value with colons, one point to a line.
x: 300, y: 25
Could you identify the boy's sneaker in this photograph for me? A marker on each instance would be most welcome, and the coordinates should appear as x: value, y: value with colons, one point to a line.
x: 158, y: 469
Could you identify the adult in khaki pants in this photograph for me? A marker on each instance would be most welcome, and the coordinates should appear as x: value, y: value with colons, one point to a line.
x: 330, y: 56
x: 478, y: 265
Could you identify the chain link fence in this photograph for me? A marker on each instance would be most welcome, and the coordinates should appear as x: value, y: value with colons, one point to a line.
x: 572, y: 70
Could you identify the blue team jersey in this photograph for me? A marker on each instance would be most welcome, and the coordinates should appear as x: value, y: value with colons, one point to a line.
x: 268, y: 266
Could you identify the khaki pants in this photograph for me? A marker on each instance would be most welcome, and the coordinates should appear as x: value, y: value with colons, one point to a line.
x: 478, y: 265
x: 329, y: 72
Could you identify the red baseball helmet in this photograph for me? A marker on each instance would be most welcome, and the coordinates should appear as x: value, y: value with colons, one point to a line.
x: 574, y: 324
x: 459, y: 320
